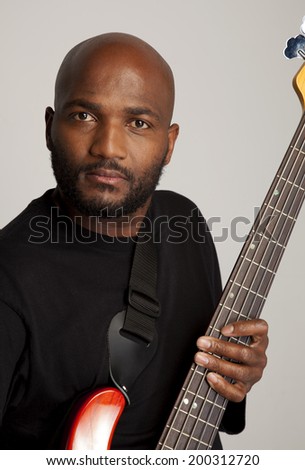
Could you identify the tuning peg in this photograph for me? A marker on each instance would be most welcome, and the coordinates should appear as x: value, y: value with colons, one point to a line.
x: 295, y: 47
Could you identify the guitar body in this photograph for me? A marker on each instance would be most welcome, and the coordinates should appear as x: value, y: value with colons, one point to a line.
x: 95, y: 420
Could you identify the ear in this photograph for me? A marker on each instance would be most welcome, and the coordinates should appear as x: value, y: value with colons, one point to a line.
x: 173, y: 132
x: 49, y: 120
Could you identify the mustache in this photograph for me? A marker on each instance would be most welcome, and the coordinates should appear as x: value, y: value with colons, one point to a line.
x: 106, y: 165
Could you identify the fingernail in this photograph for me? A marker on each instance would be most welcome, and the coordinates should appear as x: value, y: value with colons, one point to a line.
x: 212, y: 378
x: 227, y: 330
x: 203, y: 358
x: 205, y: 343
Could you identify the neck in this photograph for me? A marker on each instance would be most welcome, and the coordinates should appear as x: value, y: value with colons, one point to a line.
x: 116, y: 227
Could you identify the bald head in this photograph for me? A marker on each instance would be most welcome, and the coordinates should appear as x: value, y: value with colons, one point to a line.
x: 116, y: 53
x: 111, y: 133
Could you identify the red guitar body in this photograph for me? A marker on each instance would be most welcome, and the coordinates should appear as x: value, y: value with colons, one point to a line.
x: 95, y: 420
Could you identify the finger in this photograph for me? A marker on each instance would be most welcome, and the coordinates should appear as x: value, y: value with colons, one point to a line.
x: 227, y: 349
x: 238, y: 372
x: 257, y: 329
x: 234, y: 392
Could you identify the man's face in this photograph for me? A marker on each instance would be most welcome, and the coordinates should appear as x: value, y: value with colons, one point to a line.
x: 110, y: 137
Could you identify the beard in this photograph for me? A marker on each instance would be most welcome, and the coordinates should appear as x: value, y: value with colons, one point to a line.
x: 140, y: 188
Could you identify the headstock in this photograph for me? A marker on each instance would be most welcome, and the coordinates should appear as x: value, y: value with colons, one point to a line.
x: 296, y: 48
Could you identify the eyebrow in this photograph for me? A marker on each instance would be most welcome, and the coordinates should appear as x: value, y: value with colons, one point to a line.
x: 83, y: 104
x: 139, y: 111
x: 132, y: 110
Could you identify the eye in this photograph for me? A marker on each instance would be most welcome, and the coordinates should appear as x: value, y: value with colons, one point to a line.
x: 83, y: 116
x: 139, y: 124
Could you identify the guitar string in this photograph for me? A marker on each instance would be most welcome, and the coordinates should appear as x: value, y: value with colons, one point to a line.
x: 239, y: 289
x: 265, y: 209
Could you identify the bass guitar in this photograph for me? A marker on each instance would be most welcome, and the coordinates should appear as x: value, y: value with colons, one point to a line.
x: 198, y: 411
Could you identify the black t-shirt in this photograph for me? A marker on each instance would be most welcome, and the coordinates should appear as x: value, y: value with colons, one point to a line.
x: 60, y: 287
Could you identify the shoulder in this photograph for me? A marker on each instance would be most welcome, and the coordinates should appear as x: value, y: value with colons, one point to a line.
x: 180, y: 221
x: 20, y: 226
x: 171, y: 203
x: 19, y: 257
x: 178, y: 210
x: 17, y: 253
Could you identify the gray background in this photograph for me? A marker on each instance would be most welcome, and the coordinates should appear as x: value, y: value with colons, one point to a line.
x: 237, y: 111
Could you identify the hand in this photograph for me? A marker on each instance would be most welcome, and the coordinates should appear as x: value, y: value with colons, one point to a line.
x: 251, y: 359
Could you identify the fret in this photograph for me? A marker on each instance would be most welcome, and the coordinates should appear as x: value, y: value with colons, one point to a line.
x: 278, y: 198
x: 298, y: 184
x: 295, y: 196
x: 188, y: 443
x: 199, y: 429
x: 177, y: 430
x: 185, y: 422
x: 290, y: 167
x: 214, y: 330
x: 298, y: 150
x: 196, y: 379
x: 253, y: 305
x: 263, y: 267
x: 259, y: 254
x: 247, y: 271
x: 193, y: 394
x: 251, y: 261
x: 261, y: 282
x: 292, y: 175
x: 272, y: 225
x: 199, y: 399
x: 243, y: 340
x: 290, y: 182
x: 281, y: 212
x: 166, y: 447
x: 293, y: 185
x: 220, y: 320
x: 278, y: 228
x: 237, y: 297
x: 191, y: 425
x: 268, y: 240
x: 296, y: 206
x: 273, y: 251
x: 267, y: 249
x: 215, y: 398
x: 254, y: 277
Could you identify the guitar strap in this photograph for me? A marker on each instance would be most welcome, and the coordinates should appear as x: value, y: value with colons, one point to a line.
x: 132, y: 335
x: 143, y: 306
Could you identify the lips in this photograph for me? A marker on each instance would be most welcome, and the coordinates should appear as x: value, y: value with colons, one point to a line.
x: 106, y: 176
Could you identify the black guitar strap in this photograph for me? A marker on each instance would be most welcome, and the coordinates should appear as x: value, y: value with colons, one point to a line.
x: 143, y: 306
x: 132, y: 334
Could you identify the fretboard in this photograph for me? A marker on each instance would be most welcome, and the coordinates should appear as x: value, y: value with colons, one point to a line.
x: 198, y: 411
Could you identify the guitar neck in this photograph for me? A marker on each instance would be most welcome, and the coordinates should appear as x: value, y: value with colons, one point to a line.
x: 197, y: 414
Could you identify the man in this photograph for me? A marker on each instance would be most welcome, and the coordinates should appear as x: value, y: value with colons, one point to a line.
x: 66, y: 260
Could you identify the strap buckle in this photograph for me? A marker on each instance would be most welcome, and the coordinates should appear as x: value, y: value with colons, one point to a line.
x: 143, y: 302
x: 141, y: 314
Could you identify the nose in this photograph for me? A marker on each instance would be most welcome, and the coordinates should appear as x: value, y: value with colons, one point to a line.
x: 109, y: 142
